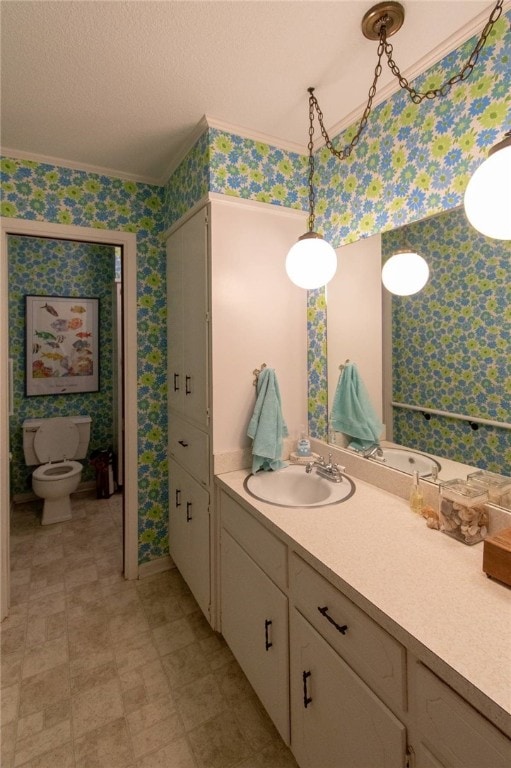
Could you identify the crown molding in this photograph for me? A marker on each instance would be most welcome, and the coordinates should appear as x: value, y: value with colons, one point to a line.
x: 264, y: 138
x: 191, y: 139
x: 76, y: 166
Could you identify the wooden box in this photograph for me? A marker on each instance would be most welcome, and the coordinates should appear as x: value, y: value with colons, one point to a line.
x: 497, y: 556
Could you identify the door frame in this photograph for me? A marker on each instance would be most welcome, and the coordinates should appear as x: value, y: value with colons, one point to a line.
x: 128, y: 242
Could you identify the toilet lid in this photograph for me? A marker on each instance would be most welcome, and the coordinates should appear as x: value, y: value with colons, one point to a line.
x: 56, y: 440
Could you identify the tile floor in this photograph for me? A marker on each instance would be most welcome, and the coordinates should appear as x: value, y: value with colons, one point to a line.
x: 98, y: 672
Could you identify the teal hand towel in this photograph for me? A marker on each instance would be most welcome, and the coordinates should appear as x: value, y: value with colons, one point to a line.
x: 267, y: 426
x: 352, y: 412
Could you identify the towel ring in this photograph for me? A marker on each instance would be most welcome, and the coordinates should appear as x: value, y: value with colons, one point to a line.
x: 256, y: 373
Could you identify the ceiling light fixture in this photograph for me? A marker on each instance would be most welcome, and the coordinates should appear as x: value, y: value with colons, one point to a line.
x: 405, y: 273
x: 311, y: 252
x: 311, y: 262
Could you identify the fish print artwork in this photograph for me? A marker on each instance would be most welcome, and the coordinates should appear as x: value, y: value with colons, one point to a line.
x: 62, y: 345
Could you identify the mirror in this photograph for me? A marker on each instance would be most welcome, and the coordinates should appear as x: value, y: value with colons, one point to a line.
x: 447, y: 348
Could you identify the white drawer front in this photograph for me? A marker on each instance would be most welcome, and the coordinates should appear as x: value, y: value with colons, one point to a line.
x: 376, y: 656
x: 190, y: 447
x: 268, y: 552
x: 455, y: 732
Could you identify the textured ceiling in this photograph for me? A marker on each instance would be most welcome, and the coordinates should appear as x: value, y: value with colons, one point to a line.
x: 121, y: 85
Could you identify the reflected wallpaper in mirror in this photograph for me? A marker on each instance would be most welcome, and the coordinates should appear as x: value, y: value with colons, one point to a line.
x: 450, y: 345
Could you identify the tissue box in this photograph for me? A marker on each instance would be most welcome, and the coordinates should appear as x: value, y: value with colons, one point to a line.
x: 497, y: 556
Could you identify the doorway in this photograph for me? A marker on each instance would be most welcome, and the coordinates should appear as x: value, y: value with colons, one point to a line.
x: 127, y: 242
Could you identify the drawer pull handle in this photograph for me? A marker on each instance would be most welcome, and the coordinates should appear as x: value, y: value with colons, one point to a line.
x: 188, y: 390
x: 324, y: 612
x: 306, y: 698
x: 267, y: 643
x: 176, y: 382
x: 183, y: 443
x: 188, y: 513
x: 178, y: 497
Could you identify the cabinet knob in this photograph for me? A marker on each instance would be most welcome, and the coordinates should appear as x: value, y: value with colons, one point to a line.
x: 340, y: 628
x: 306, y: 698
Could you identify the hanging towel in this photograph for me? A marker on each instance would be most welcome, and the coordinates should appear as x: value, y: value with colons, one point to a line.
x: 267, y: 426
x: 352, y: 412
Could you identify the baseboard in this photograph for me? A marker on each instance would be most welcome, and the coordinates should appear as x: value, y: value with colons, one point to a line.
x: 155, y: 566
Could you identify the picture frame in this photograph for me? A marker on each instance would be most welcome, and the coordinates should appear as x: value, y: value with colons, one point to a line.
x: 62, y: 345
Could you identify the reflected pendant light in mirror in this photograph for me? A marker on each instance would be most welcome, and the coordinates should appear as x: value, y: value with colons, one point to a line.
x: 405, y: 273
x: 488, y: 195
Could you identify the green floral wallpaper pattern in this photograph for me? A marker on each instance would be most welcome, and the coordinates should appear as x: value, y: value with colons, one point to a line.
x: 451, y: 341
x: 42, y: 267
x: 44, y: 192
x: 412, y: 161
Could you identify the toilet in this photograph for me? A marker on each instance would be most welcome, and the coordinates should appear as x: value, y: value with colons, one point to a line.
x: 54, y: 444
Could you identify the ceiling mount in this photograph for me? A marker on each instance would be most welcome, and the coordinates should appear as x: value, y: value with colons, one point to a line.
x: 389, y: 15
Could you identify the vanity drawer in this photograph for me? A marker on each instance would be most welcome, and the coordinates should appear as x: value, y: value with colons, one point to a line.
x: 267, y: 551
x: 190, y: 447
x: 453, y: 730
x: 370, y: 651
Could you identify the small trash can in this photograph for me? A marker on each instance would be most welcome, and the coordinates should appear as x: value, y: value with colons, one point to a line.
x: 102, y: 461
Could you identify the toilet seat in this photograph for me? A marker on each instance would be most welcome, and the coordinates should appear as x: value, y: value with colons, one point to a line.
x: 61, y: 470
x: 56, y: 440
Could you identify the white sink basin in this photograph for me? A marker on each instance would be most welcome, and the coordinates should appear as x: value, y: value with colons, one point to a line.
x: 293, y: 487
x: 408, y: 461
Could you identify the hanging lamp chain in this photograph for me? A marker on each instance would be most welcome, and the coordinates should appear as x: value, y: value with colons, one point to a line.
x: 416, y: 96
x: 310, y: 147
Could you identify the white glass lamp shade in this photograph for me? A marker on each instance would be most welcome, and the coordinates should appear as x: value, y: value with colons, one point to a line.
x: 405, y: 273
x: 311, y: 262
x: 488, y: 194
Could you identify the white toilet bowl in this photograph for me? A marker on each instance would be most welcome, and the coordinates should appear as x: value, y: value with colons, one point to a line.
x: 54, y: 483
x: 54, y: 444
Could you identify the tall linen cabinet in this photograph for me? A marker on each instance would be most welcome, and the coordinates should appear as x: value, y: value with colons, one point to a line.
x: 231, y: 308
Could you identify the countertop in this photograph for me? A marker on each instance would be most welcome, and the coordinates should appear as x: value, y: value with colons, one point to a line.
x: 424, y: 587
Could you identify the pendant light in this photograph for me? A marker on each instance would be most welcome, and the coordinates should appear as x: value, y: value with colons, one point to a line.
x: 379, y: 23
x: 311, y: 262
x: 405, y: 273
x: 488, y: 195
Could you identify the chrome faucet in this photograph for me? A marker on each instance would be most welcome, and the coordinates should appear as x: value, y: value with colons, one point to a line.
x: 372, y: 451
x: 328, y: 470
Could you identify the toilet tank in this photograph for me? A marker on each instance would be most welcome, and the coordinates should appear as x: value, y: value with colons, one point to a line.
x: 30, y: 427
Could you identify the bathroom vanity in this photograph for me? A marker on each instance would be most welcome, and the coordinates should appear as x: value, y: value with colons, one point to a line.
x: 372, y: 640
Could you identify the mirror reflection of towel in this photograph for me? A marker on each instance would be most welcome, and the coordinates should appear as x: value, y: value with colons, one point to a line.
x: 352, y: 412
x: 267, y: 426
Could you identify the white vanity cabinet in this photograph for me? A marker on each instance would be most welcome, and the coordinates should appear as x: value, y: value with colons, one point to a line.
x: 255, y: 610
x: 230, y: 307
x: 189, y: 532
x: 187, y: 319
x: 451, y: 734
x: 336, y: 720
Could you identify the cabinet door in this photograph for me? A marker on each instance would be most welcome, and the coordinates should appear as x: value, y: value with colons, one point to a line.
x: 336, y: 720
x: 195, y: 314
x: 187, y: 319
x: 451, y: 730
x: 189, y: 535
x: 175, y: 376
x: 255, y: 626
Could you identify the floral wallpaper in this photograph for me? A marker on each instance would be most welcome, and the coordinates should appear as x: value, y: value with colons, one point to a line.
x: 412, y: 161
x: 42, y: 267
x: 451, y: 341
x: 45, y: 192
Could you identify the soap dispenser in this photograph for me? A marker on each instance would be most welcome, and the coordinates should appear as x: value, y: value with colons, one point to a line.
x: 303, y: 447
x: 416, y: 495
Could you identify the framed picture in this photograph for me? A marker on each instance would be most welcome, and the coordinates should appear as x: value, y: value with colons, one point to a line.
x: 62, y: 345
